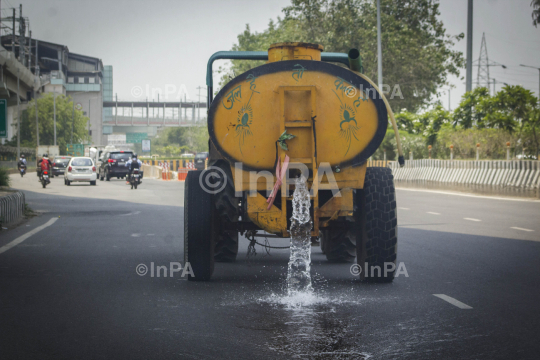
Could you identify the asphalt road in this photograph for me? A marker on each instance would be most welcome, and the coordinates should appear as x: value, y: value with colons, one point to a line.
x: 71, y: 290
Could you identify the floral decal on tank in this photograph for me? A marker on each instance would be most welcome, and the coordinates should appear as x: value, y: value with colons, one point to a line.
x: 348, y: 126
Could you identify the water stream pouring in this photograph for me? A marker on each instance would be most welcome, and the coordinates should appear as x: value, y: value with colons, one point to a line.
x: 299, y: 276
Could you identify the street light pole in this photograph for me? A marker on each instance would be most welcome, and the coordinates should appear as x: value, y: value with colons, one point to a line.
x: 54, y: 116
x: 379, y: 49
x: 72, y: 121
x: 469, y: 45
x: 18, y: 119
x: 37, y: 122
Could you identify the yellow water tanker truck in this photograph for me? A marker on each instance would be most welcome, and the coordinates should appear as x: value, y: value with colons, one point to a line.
x: 301, y: 113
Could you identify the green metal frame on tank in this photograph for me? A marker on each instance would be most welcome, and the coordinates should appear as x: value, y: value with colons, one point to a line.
x: 352, y: 60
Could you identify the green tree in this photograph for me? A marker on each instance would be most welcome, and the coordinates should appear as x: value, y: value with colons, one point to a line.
x: 471, y: 109
x: 411, y: 143
x: 426, y: 124
x: 405, y: 121
x: 175, y: 141
x: 64, y: 123
x: 417, y: 52
x: 513, y: 107
x: 432, y: 121
x: 531, y: 130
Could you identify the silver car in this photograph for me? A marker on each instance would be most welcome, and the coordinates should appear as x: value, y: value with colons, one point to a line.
x: 80, y: 169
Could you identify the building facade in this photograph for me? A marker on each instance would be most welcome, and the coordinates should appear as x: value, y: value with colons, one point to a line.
x: 57, y: 70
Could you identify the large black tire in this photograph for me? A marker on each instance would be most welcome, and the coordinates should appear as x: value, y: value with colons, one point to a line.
x: 198, y: 229
x: 339, y: 245
x: 376, y: 225
x: 323, y: 235
x: 226, y: 205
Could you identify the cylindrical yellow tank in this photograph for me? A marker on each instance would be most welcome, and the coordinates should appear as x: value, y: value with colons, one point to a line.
x: 294, y: 51
x: 336, y: 115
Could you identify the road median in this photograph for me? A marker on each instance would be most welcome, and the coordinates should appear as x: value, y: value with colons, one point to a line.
x: 489, y: 177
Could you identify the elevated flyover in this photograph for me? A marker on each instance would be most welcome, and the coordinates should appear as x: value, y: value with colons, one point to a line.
x: 10, y: 69
x: 146, y: 118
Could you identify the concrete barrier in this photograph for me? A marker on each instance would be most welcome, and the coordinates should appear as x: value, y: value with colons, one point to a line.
x: 496, y: 175
x: 156, y: 172
x: 11, y: 207
x: 151, y: 171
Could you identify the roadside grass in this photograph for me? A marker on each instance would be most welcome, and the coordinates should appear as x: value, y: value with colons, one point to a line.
x: 28, y: 212
x: 5, y: 180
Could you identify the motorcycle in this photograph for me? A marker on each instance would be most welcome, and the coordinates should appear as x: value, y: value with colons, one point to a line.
x: 135, y: 178
x: 45, y: 178
x: 22, y: 169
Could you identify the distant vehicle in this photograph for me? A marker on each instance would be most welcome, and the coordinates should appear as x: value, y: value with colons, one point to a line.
x: 59, y: 165
x: 113, y: 164
x: 200, y: 160
x: 135, y: 179
x: 80, y: 169
x: 52, y: 150
x: 44, y: 178
x: 525, y: 157
x: 99, y: 162
x: 22, y: 170
x: 186, y: 155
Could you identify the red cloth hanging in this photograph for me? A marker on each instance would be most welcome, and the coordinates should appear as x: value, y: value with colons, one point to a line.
x: 280, y: 172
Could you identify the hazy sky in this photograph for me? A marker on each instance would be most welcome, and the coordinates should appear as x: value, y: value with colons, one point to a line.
x: 166, y: 44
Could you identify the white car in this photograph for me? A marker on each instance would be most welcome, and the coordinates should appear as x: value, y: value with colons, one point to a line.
x: 80, y: 169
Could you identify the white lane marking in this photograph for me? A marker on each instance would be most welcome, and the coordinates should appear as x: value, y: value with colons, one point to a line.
x: 132, y: 213
x: 433, y: 213
x: 467, y: 195
x: 522, y: 229
x: 402, y: 208
x: 453, y: 301
x: 136, y: 235
x: 21, y: 238
x: 472, y: 219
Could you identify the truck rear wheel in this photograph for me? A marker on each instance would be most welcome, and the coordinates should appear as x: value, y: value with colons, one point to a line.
x: 376, y: 226
x: 226, y: 205
x: 198, y: 229
x: 339, y: 245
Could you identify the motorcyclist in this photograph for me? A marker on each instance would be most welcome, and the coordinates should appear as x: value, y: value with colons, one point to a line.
x: 44, y: 164
x: 131, y: 164
x: 22, y: 161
